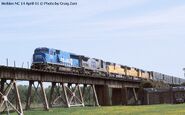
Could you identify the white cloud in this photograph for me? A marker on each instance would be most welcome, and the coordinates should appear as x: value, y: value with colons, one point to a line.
x: 169, y: 17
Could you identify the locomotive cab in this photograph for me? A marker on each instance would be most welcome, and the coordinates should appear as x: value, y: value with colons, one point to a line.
x: 40, y: 55
x: 44, y: 55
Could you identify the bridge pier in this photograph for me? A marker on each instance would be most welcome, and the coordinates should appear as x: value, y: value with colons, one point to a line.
x: 135, y: 95
x: 69, y: 95
x: 57, y: 96
x: 120, y: 96
x: 31, y: 96
x: 53, y: 85
x: 117, y: 96
x: 9, y: 87
x: 90, y: 96
x: 95, y: 96
x: 2, y: 88
x: 124, y: 93
x: 124, y: 96
x: 132, y: 96
x: 103, y: 95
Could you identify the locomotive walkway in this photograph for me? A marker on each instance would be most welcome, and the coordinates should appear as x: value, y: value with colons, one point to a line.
x: 121, y: 88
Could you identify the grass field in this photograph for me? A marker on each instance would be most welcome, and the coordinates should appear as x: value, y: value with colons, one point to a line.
x: 165, y: 109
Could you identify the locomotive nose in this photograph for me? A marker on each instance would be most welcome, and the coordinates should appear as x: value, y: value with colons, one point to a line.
x: 39, y: 58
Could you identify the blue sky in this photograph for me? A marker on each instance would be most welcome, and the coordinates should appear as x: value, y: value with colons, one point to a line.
x: 147, y: 34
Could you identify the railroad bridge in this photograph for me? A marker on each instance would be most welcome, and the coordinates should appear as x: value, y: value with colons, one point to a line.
x: 106, y: 90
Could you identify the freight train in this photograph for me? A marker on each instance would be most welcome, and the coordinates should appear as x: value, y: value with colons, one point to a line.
x: 57, y: 60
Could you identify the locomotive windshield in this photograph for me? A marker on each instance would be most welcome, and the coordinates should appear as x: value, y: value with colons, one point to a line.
x: 42, y: 50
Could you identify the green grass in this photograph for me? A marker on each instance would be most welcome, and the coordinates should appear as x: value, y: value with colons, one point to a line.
x: 165, y: 109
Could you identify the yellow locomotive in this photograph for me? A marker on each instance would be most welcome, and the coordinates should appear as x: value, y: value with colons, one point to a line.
x: 117, y: 69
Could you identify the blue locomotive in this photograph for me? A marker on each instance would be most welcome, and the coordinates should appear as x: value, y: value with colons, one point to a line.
x: 47, y: 59
x: 57, y: 60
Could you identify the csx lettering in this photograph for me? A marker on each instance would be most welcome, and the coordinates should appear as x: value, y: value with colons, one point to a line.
x: 68, y: 61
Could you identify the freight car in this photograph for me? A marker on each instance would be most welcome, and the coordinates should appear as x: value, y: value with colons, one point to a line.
x: 57, y: 60
x: 166, y: 78
x: 146, y: 74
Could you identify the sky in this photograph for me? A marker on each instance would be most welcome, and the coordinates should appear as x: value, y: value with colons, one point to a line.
x: 147, y: 34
